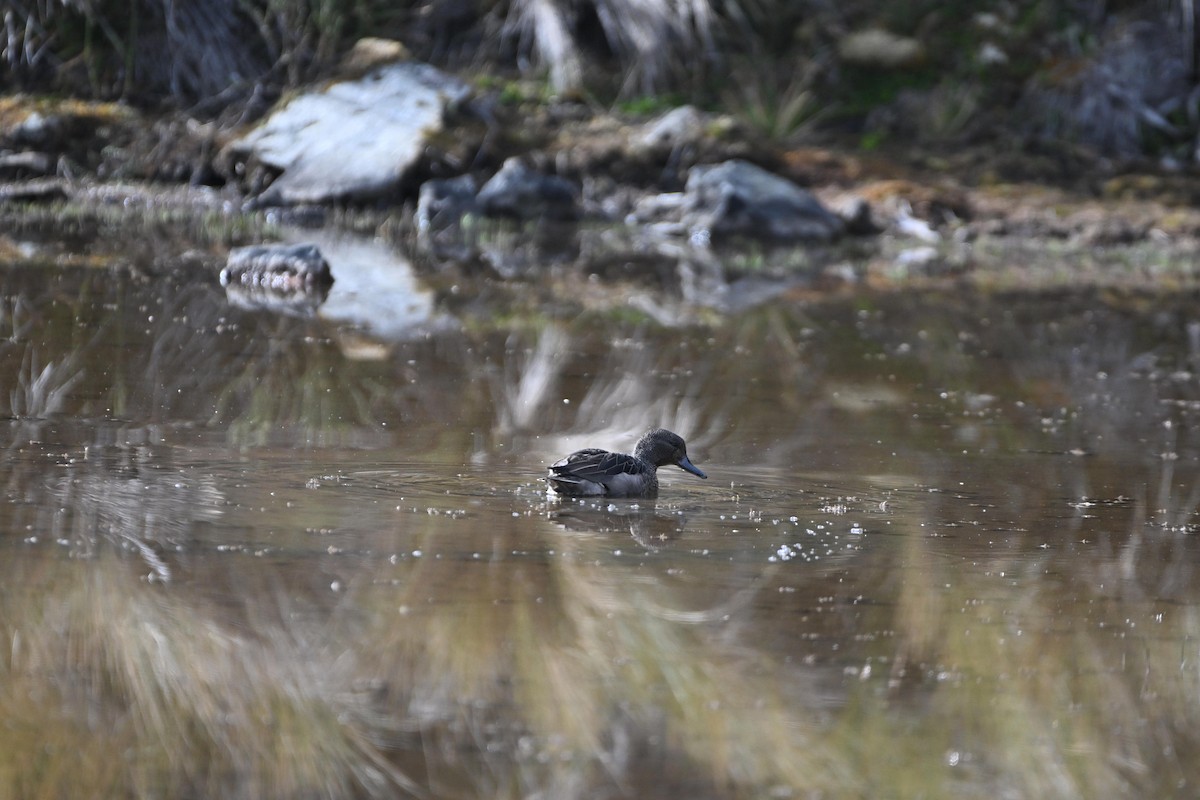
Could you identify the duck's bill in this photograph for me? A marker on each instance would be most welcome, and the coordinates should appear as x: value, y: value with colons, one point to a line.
x: 690, y: 467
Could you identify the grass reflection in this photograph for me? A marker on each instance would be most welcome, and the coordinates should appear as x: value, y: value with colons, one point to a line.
x: 593, y: 674
x: 116, y: 688
x: 517, y: 658
x: 1041, y: 673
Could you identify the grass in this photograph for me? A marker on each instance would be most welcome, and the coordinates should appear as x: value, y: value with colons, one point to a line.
x: 780, y: 107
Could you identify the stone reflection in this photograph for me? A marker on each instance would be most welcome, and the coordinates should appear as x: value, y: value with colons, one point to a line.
x: 110, y: 349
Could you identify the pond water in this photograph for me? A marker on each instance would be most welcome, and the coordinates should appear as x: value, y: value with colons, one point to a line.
x: 947, y: 547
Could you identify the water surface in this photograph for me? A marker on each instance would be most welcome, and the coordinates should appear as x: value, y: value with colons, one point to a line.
x: 947, y: 547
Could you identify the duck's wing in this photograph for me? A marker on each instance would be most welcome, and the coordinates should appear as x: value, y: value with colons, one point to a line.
x: 593, y: 464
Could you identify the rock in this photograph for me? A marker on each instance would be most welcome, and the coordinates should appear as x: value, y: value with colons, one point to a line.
x: 856, y: 214
x: 680, y: 127
x: 277, y: 268
x: 355, y: 140
x: 737, y: 198
x: 37, y: 130
x: 441, y: 205
x: 906, y: 224
x: 875, y: 47
x: 990, y: 55
x: 657, y: 207
x: 443, y: 202
x: 518, y: 192
x: 916, y: 257
x: 369, y: 53
x: 48, y: 190
x: 29, y: 163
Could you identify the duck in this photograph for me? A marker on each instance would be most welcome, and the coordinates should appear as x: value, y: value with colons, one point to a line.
x: 593, y: 472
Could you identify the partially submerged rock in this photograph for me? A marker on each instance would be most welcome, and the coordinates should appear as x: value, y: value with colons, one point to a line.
x: 443, y: 202
x: 286, y: 279
x: 519, y: 192
x: 355, y: 140
x: 441, y: 205
x: 737, y: 198
x: 282, y: 268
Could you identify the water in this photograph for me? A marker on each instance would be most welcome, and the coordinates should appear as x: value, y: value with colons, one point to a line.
x: 947, y: 548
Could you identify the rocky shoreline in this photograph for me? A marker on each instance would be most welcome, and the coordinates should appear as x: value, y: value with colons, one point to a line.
x: 457, y: 171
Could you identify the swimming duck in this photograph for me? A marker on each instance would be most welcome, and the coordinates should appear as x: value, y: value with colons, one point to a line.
x: 593, y: 472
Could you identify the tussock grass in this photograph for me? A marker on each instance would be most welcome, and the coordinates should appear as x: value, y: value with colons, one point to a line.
x: 653, y: 40
x: 216, y: 51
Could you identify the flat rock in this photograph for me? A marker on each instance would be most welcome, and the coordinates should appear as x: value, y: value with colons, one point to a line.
x: 737, y: 198
x: 356, y: 139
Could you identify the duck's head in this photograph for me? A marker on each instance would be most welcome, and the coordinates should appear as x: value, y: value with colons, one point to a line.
x: 661, y: 447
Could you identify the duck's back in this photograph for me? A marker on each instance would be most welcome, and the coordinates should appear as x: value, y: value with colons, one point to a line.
x: 593, y: 472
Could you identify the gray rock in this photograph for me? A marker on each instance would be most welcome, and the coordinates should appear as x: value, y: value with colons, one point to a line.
x: 27, y: 164
x: 680, y: 127
x: 280, y: 268
x: 737, y: 198
x: 356, y: 139
x: 441, y: 205
x: 443, y: 202
x: 519, y: 192
x: 47, y: 190
x: 37, y: 130
x: 875, y: 47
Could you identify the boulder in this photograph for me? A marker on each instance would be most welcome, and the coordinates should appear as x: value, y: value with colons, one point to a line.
x: 356, y: 139
x: 737, y: 198
x: 520, y: 192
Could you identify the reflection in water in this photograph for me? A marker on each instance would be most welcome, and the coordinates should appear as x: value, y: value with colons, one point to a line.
x: 948, y: 549
x: 492, y: 663
x: 650, y: 526
x: 526, y: 385
x: 375, y: 289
